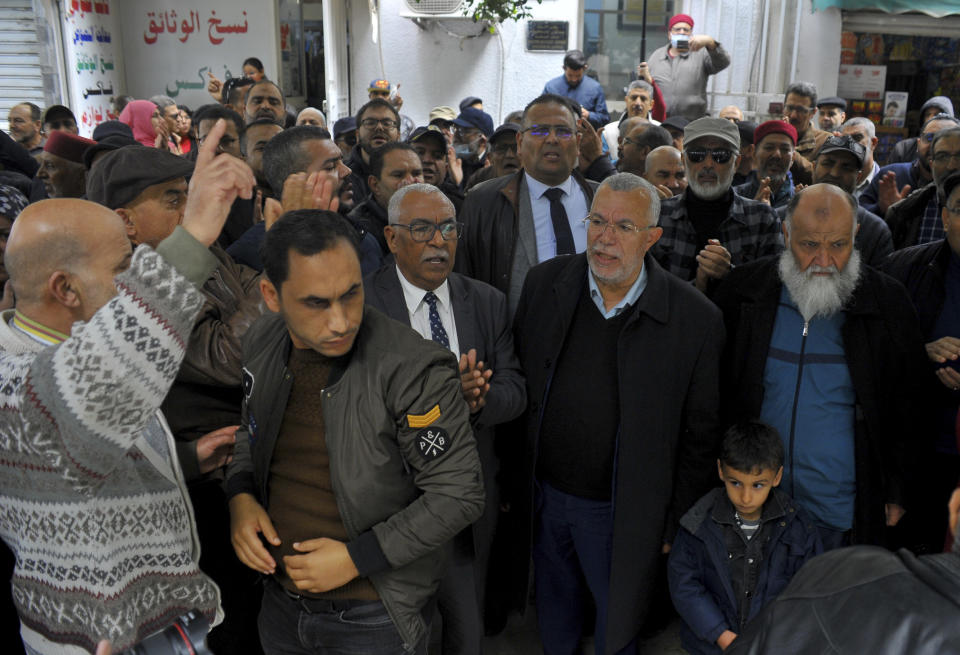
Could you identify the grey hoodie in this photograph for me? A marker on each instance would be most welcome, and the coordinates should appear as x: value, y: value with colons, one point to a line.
x: 943, y: 102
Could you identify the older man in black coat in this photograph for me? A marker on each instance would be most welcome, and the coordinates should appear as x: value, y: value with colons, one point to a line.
x: 621, y: 360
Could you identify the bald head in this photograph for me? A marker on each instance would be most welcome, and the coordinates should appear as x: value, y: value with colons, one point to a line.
x: 823, y: 207
x: 311, y: 116
x: 664, y: 168
x: 62, y: 256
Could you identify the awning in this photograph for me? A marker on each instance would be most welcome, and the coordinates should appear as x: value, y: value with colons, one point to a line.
x: 935, y: 8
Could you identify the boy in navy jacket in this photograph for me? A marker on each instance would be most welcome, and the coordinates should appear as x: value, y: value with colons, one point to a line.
x: 738, y: 547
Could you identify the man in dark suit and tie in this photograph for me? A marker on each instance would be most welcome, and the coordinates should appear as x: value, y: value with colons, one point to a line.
x: 419, y: 289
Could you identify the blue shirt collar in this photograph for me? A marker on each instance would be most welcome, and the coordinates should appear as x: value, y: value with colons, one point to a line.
x: 632, y: 295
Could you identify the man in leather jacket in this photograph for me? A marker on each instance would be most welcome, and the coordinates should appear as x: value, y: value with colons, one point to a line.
x: 147, y: 188
x: 865, y: 600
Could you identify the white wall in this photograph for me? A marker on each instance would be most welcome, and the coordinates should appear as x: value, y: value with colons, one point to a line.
x: 435, y: 68
x: 157, y: 62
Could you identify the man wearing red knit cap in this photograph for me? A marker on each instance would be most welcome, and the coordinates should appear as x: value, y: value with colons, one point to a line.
x: 775, y: 143
x: 61, y: 165
x: 681, y: 68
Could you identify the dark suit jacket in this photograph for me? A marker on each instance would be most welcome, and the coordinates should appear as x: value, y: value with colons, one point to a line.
x: 668, y: 354
x: 480, y: 312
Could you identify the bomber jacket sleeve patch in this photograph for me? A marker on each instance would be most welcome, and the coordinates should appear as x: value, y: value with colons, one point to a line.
x: 415, y: 421
x: 433, y: 442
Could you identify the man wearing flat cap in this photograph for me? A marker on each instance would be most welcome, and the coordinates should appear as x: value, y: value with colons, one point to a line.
x: 681, y: 68
x: 831, y: 112
x: 709, y: 229
x: 61, y: 165
x: 147, y: 188
x: 576, y: 85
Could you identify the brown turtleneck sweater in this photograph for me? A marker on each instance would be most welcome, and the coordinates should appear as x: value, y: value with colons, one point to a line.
x: 302, y: 503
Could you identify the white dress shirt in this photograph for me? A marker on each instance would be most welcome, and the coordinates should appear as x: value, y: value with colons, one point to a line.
x: 574, y: 202
x: 419, y: 311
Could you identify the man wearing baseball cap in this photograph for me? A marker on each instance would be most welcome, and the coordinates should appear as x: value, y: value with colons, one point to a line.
x: 61, y: 165
x: 575, y: 84
x: 709, y: 229
x: 682, y: 67
x: 472, y: 129
x: 431, y: 146
x: 59, y: 117
x: 772, y: 183
x: 383, y: 90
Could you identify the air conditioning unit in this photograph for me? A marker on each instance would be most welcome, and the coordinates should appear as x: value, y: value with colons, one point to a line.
x: 433, y: 9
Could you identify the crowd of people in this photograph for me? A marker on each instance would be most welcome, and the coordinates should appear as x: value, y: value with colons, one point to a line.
x: 338, y: 386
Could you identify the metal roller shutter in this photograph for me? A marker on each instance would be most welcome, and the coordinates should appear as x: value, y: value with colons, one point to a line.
x: 21, y: 72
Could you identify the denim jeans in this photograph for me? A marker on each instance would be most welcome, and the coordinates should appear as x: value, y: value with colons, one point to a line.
x: 292, y: 627
x: 573, y: 544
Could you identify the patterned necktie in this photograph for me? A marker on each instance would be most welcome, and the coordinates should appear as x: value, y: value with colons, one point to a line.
x: 437, y: 333
x: 561, y: 226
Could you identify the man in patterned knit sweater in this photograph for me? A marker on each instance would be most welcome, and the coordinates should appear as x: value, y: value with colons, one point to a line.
x: 94, y: 504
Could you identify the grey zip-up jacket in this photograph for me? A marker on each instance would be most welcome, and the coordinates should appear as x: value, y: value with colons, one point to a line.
x: 403, y: 460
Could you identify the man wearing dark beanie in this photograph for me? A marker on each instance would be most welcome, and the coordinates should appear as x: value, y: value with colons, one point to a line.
x: 147, y: 187
x: 61, y: 165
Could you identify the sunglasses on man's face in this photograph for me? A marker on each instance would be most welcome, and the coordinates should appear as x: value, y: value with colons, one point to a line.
x: 719, y: 156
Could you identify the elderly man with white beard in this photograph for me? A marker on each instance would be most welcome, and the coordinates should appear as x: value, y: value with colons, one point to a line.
x: 708, y: 229
x: 829, y: 352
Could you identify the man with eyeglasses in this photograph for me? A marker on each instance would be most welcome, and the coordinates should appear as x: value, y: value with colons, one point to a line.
x: 470, y: 319
x: 622, y: 367
x: 931, y: 274
x: 709, y: 229
x: 637, y: 138
x: 392, y: 167
x: 799, y: 108
x: 863, y: 131
x: 681, y: 68
x: 378, y: 123
x: 472, y: 130
x: 514, y: 222
x: 916, y: 219
x: 894, y: 182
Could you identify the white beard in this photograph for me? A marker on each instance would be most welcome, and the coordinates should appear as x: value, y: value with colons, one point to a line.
x: 819, y: 295
x: 715, y: 190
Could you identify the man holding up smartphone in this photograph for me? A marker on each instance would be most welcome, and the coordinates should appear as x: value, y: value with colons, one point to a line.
x: 681, y: 68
